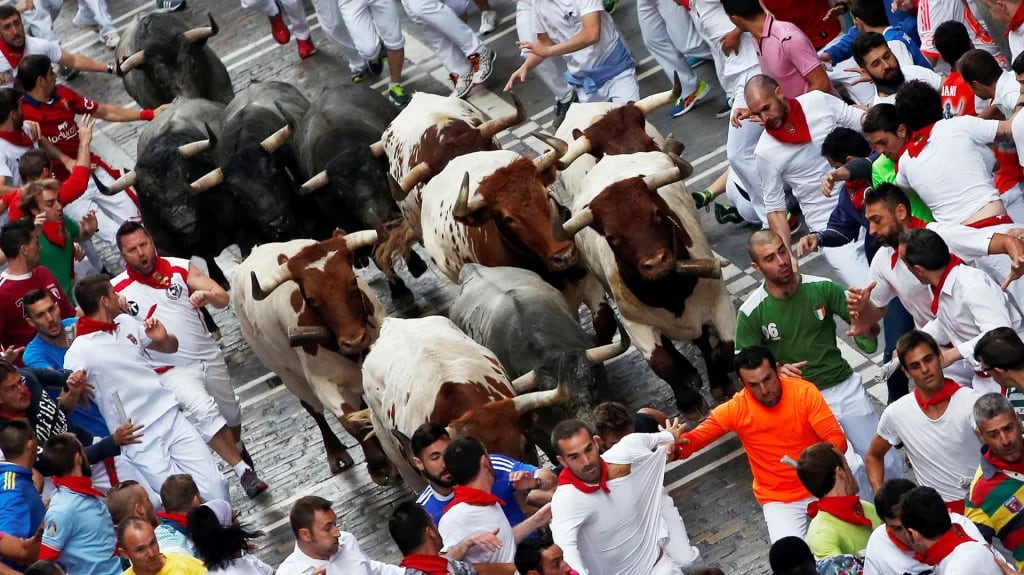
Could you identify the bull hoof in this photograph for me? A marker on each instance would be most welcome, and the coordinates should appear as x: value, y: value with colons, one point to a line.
x: 402, y: 298
x: 695, y: 412
x: 415, y: 264
x: 339, y: 462
x: 723, y: 393
x: 384, y: 475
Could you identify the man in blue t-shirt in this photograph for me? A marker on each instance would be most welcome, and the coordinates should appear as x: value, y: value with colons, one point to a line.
x: 21, y: 507
x: 427, y: 446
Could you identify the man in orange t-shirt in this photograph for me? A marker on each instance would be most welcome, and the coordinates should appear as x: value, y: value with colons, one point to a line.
x: 775, y: 417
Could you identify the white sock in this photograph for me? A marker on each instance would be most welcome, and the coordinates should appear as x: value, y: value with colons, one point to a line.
x: 567, y: 97
x: 391, y: 84
x: 240, y: 468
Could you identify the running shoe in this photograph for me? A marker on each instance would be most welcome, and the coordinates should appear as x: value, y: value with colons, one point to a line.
x: 397, y: 95
x: 111, y: 40
x: 252, y: 484
x: 483, y: 64
x: 694, y: 61
x: 793, y: 219
x: 488, y: 22
x: 727, y: 214
x: 278, y: 29
x: 703, y: 199
x: 684, y: 105
x: 562, y: 108
x: 610, y: 5
x: 724, y: 111
x: 461, y: 84
x: 360, y: 76
x: 307, y: 49
x: 376, y: 64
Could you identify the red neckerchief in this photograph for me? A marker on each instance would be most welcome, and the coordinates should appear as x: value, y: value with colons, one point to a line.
x: 918, y: 140
x: 795, y: 130
x: 159, y: 279
x: 856, y: 189
x: 13, y: 55
x: 899, y: 544
x: 916, y: 223
x: 1015, y: 21
x: 685, y: 4
x: 16, y: 137
x: 953, y: 262
x: 87, y: 325
x: 846, y: 508
x: 944, y: 545
x: 1003, y: 465
x: 80, y: 485
x: 54, y: 232
x: 473, y: 496
x: 943, y: 394
x: 179, y: 518
x: 429, y: 564
x: 13, y: 414
x: 566, y: 477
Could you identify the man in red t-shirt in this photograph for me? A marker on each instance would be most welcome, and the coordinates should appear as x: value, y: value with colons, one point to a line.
x: 19, y: 240
x: 54, y: 108
x: 952, y: 41
x: 809, y: 16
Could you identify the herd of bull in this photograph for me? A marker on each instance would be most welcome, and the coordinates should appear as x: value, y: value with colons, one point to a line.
x: 266, y: 166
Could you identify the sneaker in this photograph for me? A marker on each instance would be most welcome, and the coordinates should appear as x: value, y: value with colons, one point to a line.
x: 610, y: 5
x: 868, y: 345
x: 307, y: 49
x: 684, y: 105
x: 694, y: 61
x: 252, y: 484
x: 84, y: 24
x: 727, y: 214
x: 170, y: 5
x: 562, y: 108
x: 376, y: 64
x: 278, y: 29
x: 483, y: 64
x: 703, y: 199
x: 112, y: 40
x: 360, y: 76
x: 793, y: 219
x: 67, y: 72
x: 488, y: 22
x: 462, y: 84
x: 724, y: 111
x: 398, y: 96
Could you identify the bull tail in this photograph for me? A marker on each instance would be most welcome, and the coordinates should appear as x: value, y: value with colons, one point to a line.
x: 398, y: 245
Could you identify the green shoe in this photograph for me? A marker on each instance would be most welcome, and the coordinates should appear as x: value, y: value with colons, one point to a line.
x: 610, y: 5
x: 868, y: 345
x: 727, y: 214
x: 703, y: 199
x: 397, y: 95
x: 361, y: 75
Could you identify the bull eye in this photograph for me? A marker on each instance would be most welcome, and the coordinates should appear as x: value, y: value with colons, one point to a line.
x: 508, y: 220
x: 614, y: 241
x: 657, y: 218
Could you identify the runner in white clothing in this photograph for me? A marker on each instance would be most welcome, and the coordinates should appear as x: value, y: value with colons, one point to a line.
x: 468, y: 60
x: 276, y: 11
x: 884, y: 71
x: 15, y: 44
x: 112, y: 348
x: 789, y: 153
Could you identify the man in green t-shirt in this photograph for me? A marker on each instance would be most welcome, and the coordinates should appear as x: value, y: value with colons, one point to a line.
x: 39, y: 200
x: 1001, y: 355
x: 793, y: 315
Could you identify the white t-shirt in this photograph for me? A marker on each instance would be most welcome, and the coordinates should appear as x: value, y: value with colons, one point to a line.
x: 883, y: 557
x: 951, y: 174
x: 563, y: 19
x: 944, y: 452
x: 10, y: 157
x: 714, y: 23
x: 802, y: 166
x: 175, y: 311
x: 971, y: 558
x: 911, y: 72
x: 931, y: 13
x: 119, y: 361
x: 1016, y: 40
x: 464, y: 520
x: 349, y: 559
x: 33, y: 46
x: 1007, y: 93
x: 1017, y: 127
x: 245, y: 565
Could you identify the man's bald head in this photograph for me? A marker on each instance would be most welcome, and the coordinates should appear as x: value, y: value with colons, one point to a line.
x: 760, y: 238
x: 766, y: 101
x: 761, y: 84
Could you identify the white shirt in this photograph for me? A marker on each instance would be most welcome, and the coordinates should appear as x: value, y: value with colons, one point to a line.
x: 911, y: 72
x: 971, y: 558
x: 622, y: 531
x: 119, y: 361
x: 349, y: 559
x: 245, y: 565
x: 1016, y: 40
x: 943, y: 451
x: 1017, y: 128
x: 10, y: 157
x: 464, y: 520
x: 951, y: 174
x: 1007, y: 93
x: 175, y: 311
x: 714, y: 23
x: 563, y: 19
x: 33, y: 46
x: 883, y: 557
x: 893, y: 279
x: 802, y: 166
x: 971, y: 304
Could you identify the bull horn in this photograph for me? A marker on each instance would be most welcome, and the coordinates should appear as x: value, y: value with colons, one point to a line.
x: 525, y: 382
x: 194, y: 148
x: 535, y: 400
x: 260, y: 291
x: 315, y: 183
x: 491, y: 127
x: 672, y: 145
x: 361, y: 239
x: 463, y: 207
x: 705, y: 268
x: 201, y: 33
x: 398, y: 193
x: 401, y: 437
x: 548, y: 159
x: 299, y: 336
x: 126, y: 181
x: 419, y: 173
x: 577, y: 148
x: 655, y: 101
x: 377, y: 148
x: 576, y: 223
x: 677, y: 173
x: 132, y: 62
x: 211, y: 179
x: 603, y: 353
x: 277, y: 139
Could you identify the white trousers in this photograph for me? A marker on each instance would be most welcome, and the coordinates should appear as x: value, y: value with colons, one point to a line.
x: 39, y: 24
x: 329, y: 15
x: 677, y: 548
x: 549, y: 71
x: 849, y: 262
x: 665, y: 566
x: 372, y: 22
x: 619, y: 90
x: 95, y: 12
x: 204, y: 392
x: 786, y: 519
x: 1013, y: 201
x: 670, y: 35
x: 171, y: 445
x: 111, y: 211
x: 739, y: 150
x: 451, y: 39
x: 294, y: 14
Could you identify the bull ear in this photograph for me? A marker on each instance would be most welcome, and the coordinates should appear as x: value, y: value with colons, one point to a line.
x: 282, y: 259
x: 577, y: 133
x: 403, y: 439
x: 338, y: 233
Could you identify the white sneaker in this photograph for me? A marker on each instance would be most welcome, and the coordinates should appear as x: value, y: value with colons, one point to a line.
x: 462, y: 84
x: 488, y: 22
x: 112, y: 40
x: 483, y: 64
x: 84, y: 24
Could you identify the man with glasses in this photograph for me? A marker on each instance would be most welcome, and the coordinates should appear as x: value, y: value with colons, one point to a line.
x: 1000, y: 355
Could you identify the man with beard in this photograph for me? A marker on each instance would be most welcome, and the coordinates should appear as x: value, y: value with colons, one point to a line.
x: 428, y: 444
x: 994, y: 499
x: 77, y: 529
x: 888, y: 212
x: 789, y: 154
x: 886, y: 73
x: 172, y: 290
x: 15, y: 44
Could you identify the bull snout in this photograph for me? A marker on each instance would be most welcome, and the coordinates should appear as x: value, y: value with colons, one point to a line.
x: 563, y: 259
x: 354, y: 344
x: 656, y: 265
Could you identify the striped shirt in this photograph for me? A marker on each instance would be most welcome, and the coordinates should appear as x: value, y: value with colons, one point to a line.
x: 435, y: 503
x: 995, y: 503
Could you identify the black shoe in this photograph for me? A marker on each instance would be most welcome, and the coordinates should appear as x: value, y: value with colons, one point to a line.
x: 376, y: 64
x: 252, y: 484
x: 562, y: 108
